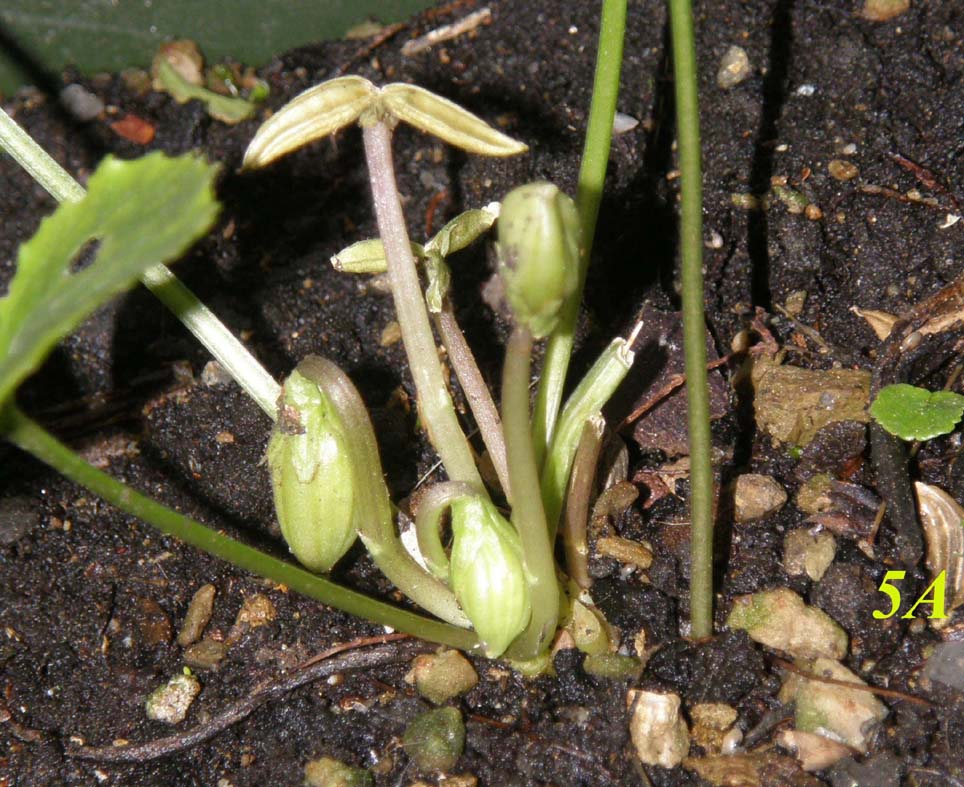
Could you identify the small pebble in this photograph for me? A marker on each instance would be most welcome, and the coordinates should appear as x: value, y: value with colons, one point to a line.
x: 441, y: 676
x: 213, y: 375
x: 170, y: 702
x: 197, y: 617
x: 813, y: 212
x: 81, y: 103
x: 256, y: 611
x: 734, y: 68
x: 756, y: 496
x: 806, y: 90
x: 391, y: 334
x: 329, y: 772
x: 808, y: 553
x: 883, y: 10
x: 623, y: 124
x: 435, y: 739
x: 842, y: 170
x: 153, y: 624
x: 18, y: 517
x: 206, y: 654
x: 795, y: 302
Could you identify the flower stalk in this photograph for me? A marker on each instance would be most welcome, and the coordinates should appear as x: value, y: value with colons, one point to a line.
x: 435, y: 402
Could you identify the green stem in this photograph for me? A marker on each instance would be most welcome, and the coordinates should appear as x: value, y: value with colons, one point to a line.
x: 373, y: 508
x: 434, y: 401
x: 590, y: 395
x: 592, y: 176
x: 428, y: 521
x: 185, y: 305
x: 528, y: 514
x: 694, y: 327
x: 30, y: 437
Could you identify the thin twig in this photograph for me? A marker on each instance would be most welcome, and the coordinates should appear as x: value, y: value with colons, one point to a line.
x: 926, y: 177
x: 447, y: 32
x: 319, y: 666
x: 383, y: 35
x: 891, y: 693
x: 674, y: 382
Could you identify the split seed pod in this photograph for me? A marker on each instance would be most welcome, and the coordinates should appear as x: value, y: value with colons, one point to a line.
x: 942, y: 519
x: 311, y: 471
x: 487, y: 574
x: 538, y: 254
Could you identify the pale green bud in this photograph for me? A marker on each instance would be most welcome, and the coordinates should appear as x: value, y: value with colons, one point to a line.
x: 487, y: 575
x: 538, y: 254
x: 311, y: 473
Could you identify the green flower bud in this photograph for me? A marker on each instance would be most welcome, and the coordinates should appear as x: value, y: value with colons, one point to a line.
x: 311, y: 473
x: 538, y: 254
x: 487, y: 575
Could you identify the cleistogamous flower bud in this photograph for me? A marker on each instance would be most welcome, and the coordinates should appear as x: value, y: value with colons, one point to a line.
x: 487, y: 574
x: 311, y: 473
x: 538, y: 254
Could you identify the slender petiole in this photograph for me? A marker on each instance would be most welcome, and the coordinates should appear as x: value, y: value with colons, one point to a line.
x: 435, y: 403
x: 32, y: 438
x: 592, y: 175
x: 694, y: 320
x: 476, y: 392
x: 528, y: 514
x: 185, y: 305
x: 576, y: 517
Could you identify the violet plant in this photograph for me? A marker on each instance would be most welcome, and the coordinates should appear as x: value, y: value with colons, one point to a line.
x: 499, y: 575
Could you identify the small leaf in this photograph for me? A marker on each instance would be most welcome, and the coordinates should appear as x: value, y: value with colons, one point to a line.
x: 366, y: 256
x: 447, y: 121
x: 463, y: 230
x: 224, y: 108
x: 315, y: 113
x: 142, y: 212
x: 913, y: 413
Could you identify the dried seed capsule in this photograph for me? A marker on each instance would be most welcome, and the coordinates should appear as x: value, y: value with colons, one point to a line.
x: 311, y: 473
x: 538, y: 254
x: 487, y: 574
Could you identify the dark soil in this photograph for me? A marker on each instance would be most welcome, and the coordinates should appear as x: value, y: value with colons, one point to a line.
x: 90, y: 597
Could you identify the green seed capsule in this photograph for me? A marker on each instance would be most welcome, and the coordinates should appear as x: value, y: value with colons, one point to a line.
x: 311, y: 473
x: 487, y: 574
x: 538, y: 254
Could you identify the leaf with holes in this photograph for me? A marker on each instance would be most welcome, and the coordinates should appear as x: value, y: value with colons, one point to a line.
x: 140, y: 212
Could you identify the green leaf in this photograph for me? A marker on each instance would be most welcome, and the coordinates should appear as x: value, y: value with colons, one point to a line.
x: 913, y: 413
x: 141, y: 212
x: 224, y: 108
